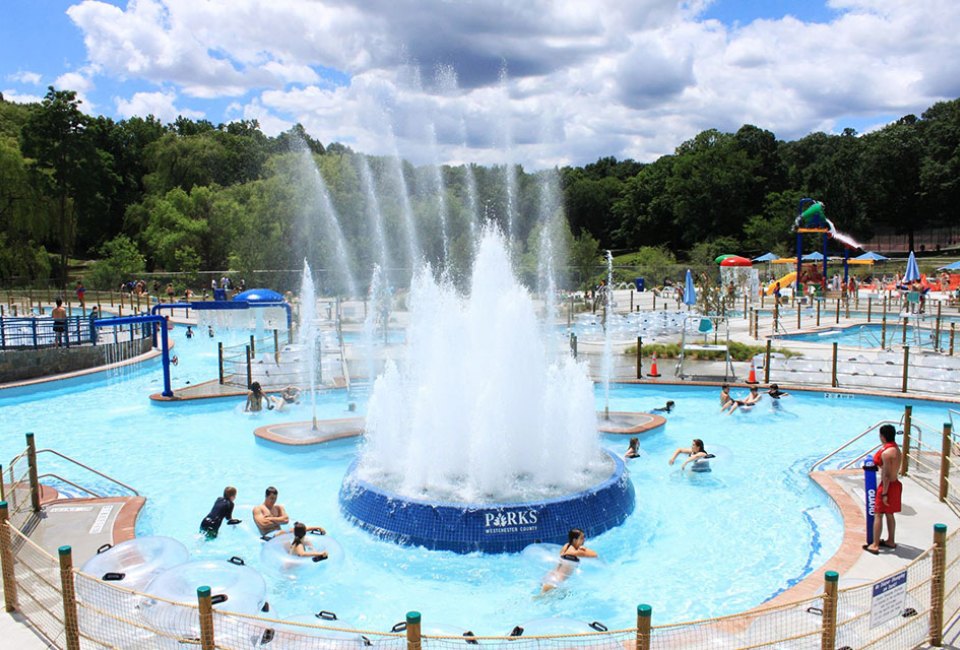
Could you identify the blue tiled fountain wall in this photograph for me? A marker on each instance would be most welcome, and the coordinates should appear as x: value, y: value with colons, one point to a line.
x: 489, y: 528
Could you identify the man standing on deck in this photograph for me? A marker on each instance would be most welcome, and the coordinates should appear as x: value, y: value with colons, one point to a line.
x: 889, y: 490
x: 270, y: 515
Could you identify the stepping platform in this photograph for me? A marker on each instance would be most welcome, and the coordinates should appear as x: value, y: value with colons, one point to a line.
x: 300, y: 434
x: 624, y: 422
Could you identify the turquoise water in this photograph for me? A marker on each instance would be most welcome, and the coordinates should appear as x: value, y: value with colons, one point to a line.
x: 697, y: 545
x: 869, y: 336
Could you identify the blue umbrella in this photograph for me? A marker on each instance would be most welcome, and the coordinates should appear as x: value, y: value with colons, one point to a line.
x: 766, y: 257
x: 950, y: 267
x: 913, y: 271
x: 813, y: 257
x: 689, y: 292
x: 870, y: 255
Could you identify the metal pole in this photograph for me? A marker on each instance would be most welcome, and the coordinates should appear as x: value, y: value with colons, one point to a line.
x: 907, y: 425
x: 883, y: 332
x: 906, y: 367
x: 937, y: 580
x: 32, y: 468
x: 71, y: 626
x: 644, y: 614
x: 220, y: 359
x: 205, y: 605
x: 945, y: 447
x: 639, y: 357
x: 833, y: 377
x: 953, y: 332
x: 249, y: 368
x: 869, y: 308
x: 828, y: 638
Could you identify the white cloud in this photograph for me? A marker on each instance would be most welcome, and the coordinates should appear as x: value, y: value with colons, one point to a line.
x: 10, y: 95
x: 159, y: 104
x: 609, y: 78
x: 81, y: 82
x: 25, y: 77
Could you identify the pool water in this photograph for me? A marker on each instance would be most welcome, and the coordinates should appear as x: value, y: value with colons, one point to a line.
x: 697, y: 545
x: 869, y: 336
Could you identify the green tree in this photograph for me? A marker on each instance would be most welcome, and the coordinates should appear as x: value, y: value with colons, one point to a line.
x: 66, y: 166
x: 120, y: 261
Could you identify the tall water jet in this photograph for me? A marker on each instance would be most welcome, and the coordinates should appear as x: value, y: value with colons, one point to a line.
x: 406, y: 210
x: 478, y: 441
x: 375, y: 216
x: 607, y: 369
x: 334, y: 231
x: 307, y: 335
x: 440, y: 190
x: 509, y: 169
x: 549, y: 243
x: 377, y: 319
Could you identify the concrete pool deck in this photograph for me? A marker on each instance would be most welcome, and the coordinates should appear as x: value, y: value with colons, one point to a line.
x: 69, y: 521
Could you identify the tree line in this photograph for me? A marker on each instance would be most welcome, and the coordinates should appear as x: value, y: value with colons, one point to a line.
x: 139, y: 195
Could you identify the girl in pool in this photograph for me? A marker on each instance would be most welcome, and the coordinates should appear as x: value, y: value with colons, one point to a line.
x: 751, y: 399
x: 255, y: 398
x: 695, y: 452
x: 570, y: 555
x: 300, y: 546
x: 633, y: 451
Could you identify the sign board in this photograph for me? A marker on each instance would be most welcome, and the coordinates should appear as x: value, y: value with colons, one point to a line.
x: 889, y: 596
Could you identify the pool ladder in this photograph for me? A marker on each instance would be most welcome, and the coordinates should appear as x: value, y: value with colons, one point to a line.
x: 23, y: 457
x: 914, y: 427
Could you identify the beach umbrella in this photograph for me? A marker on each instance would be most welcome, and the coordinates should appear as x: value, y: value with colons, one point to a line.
x: 913, y: 271
x: 689, y: 291
x: 766, y: 257
x: 813, y: 257
x: 870, y: 255
x: 950, y: 267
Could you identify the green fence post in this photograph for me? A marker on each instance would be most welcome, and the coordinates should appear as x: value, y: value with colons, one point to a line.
x: 71, y: 627
x: 644, y: 614
x: 828, y: 637
x: 205, y: 605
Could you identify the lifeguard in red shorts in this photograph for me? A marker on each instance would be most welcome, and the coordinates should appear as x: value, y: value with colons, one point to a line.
x: 889, y: 490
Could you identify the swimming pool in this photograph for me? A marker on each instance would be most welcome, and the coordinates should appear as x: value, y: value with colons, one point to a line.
x: 697, y: 545
x: 871, y: 336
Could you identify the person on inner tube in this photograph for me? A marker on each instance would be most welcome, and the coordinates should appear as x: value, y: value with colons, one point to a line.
x: 695, y: 451
x: 752, y: 398
x: 300, y: 546
x: 570, y: 555
x: 633, y: 451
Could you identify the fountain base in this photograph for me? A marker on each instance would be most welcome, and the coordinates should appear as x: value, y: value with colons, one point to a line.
x: 487, y: 527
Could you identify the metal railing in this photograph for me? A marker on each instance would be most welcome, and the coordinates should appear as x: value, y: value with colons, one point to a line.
x: 45, y: 332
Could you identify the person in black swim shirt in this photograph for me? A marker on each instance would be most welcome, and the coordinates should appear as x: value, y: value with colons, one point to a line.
x: 222, y: 509
x: 570, y: 555
x: 775, y: 392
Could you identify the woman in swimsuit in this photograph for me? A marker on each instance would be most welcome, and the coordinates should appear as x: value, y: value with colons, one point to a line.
x: 570, y: 555
x: 695, y: 452
x: 254, y: 398
x: 633, y: 451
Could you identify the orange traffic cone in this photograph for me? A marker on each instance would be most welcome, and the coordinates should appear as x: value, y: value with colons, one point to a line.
x: 752, y: 377
x: 653, y: 367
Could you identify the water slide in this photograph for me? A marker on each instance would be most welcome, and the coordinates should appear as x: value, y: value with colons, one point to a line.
x: 785, y: 281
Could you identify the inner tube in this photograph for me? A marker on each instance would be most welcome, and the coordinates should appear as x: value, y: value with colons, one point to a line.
x: 296, y: 628
x: 276, y: 555
x: 233, y: 587
x: 556, y: 626
x: 134, y: 563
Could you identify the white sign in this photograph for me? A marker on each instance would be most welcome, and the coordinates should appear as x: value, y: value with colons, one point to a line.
x: 888, y: 597
x: 101, y: 520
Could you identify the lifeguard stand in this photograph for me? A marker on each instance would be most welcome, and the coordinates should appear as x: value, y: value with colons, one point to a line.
x: 695, y: 326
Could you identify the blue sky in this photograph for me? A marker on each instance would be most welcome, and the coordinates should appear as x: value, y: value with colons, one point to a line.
x: 543, y: 82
